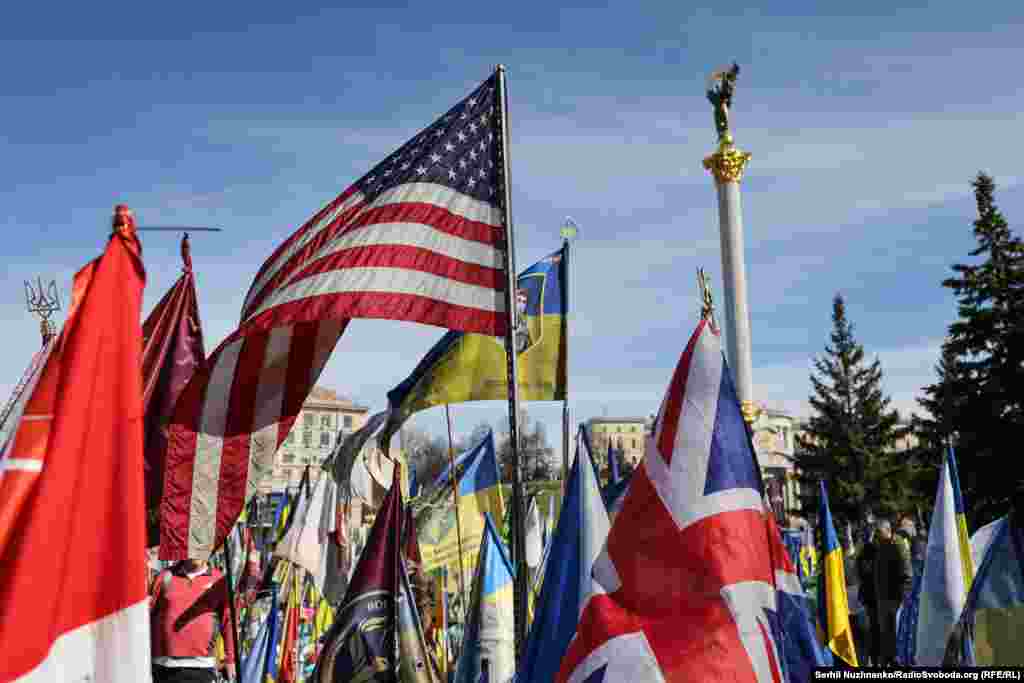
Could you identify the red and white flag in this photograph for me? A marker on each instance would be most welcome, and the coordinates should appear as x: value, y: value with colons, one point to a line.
x: 73, y: 602
x: 420, y: 238
x: 685, y: 587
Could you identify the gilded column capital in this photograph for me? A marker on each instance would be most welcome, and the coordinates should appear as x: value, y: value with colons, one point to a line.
x: 750, y: 411
x: 727, y: 164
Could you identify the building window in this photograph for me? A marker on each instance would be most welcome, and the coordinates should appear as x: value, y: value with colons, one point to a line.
x: 348, y: 422
x: 309, y: 419
x: 634, y: 443
x: 307, y: 438
x: 325, y: 421
x: 290, y: 439
x: 325, y: 439
x: 287, y: 458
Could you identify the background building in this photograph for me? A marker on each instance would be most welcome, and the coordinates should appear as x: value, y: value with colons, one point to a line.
x: 325, y: 418
x: 774, y: 441
x: 627, y: 434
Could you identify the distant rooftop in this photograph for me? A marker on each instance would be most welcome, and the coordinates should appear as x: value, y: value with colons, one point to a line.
x: 322, y: 396
x: 617, y: 420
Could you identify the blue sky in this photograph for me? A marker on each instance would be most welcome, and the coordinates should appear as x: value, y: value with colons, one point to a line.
x: 866, y: 128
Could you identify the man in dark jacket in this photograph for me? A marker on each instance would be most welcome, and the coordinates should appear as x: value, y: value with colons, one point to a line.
x: 892, y: 580
x: 865, y: 564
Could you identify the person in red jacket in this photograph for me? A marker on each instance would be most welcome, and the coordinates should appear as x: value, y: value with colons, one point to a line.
x: 188, y: 608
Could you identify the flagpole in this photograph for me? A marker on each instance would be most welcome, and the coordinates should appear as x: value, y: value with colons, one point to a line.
x: 518, y: 541
x: 455, y: 501
x: 231, y: 607
x: 568, y: 232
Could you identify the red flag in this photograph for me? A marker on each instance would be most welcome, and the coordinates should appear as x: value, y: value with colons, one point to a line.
x: 73, y: 603
x: 173, y: 350
x: 287, y: 673
x: 411, y: 546
x: 420, y: 238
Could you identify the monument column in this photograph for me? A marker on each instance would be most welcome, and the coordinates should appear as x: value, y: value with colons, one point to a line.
x: 726, y: 165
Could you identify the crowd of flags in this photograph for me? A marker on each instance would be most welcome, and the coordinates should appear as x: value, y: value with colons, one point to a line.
x: 674, y: 571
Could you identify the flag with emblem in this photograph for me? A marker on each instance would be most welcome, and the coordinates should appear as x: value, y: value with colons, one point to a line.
x: 685, y: 587
x: 438, y: 528
x: 473, y: 367
x: 361, y: 644
x: 414, y: 663
x: 419, y: 238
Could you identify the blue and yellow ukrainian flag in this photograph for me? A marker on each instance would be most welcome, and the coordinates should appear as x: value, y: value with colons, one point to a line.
x: 833, y: 606
x: 940, y: 592
x: 488, y: 647
x: 966, y: 561
x: 472, y: 367
x: 988, y: 633
x: 479, y: 494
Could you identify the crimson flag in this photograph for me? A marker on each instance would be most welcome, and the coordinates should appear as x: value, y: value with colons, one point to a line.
x: 73, y: 601
x: 172, y: 351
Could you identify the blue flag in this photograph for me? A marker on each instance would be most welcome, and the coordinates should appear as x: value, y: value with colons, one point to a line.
x: 582, y: 530
x: 614, y: 476
x: 488, y: 648
x: 256, y: 660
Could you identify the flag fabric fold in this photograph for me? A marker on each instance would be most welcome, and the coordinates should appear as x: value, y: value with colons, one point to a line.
x: 684, y: 588
x: 574, y: 547
x: 419, y: 238
x: 988, y: 632
x: 939, y: 593
x: 479, y: 494
x: 255, y: 661
x: 833, y: 605
x: 23, y: 453
x: 414, y: 663
x: 303, y: 544
x: 534, y: 543
x: 73, y: 599
x: 465, y: 367
x: 361, y: 643
x: 172, y: 351
x: 801, y: 649
x: 488, y: 647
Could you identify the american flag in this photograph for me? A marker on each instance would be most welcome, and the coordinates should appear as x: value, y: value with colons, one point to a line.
x: 688, y: 584
x: 420, y: 237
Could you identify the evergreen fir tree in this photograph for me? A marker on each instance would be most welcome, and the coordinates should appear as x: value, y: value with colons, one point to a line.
x: 986, y: 421
x: 850, y: 439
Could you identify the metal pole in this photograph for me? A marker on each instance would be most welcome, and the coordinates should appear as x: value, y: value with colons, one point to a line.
x: 568, y: 231
x: 458, y: 515
x: 231, y: 607
x: 522, y: 583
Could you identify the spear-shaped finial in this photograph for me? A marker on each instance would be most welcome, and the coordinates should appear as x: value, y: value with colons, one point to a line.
x: 186, y: 254
x: 123, y: 221
x: 707, y: 310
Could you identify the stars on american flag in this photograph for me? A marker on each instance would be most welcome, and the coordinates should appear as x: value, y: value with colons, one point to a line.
x: 459, y: 150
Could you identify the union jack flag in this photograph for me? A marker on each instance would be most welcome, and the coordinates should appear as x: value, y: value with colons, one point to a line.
x: 421, y: 238
x: 686, y: 587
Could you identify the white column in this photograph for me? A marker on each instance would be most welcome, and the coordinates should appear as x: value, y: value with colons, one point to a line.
x: 734, y: 278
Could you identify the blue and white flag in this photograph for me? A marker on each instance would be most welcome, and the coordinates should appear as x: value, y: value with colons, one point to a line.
x: 939, y: 593
x: 488, y: 647
x: 988, y: 633
x: 577, y: 541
